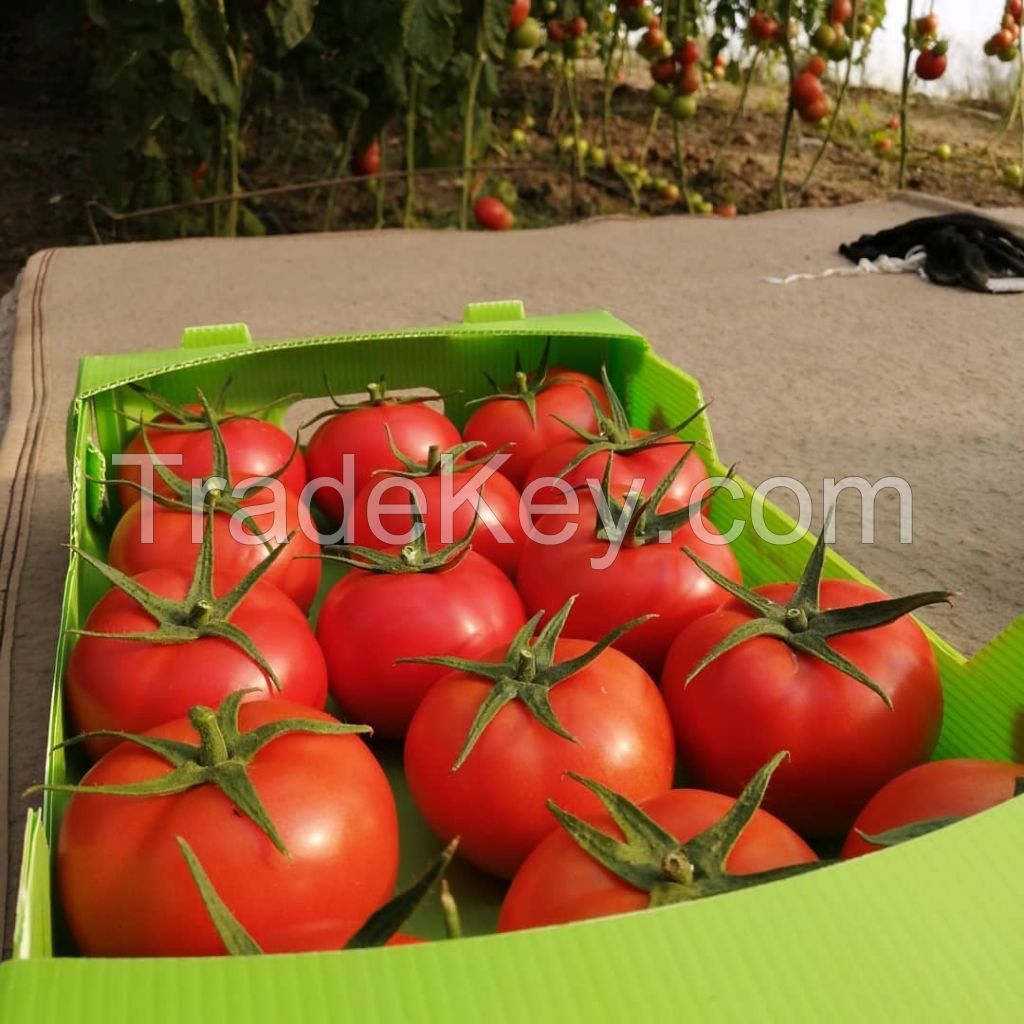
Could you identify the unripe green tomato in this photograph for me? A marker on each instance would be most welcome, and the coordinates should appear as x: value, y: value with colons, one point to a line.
x: 683, y: 108
x: 1008, y: 55
x: 627, y: 168
x: 705, y: 208
x: 574, y: 46
x: 824, y: 37
x: 517, y: 58
x: 527, y: 36
x: 518, y: 136
x: 582, y: 148
x: 944, y: 151
x: 567, y: 142
x: 528, y: 122
x: 841, y: 50
x: 643, y: 178
x: 506, y: 192
x: 661, y: 95
x: 1013, y: 175
x: 659, y: 182
x: 597, y: 156
x: 550, y: 6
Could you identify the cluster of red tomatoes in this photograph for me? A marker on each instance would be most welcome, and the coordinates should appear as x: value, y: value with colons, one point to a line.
x: 1005, y: 44
x: 549, y: 677
x: 678, y: 78
x: 808, y: 94
x: 931, y: 59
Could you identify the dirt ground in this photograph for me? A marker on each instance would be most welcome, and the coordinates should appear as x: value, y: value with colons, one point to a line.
x: 45, y: 174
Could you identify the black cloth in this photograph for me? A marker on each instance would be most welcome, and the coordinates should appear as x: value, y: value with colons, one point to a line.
x: 963, y: 249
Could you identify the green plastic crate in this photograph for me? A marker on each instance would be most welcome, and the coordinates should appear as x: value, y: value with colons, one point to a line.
x: 928, y: 930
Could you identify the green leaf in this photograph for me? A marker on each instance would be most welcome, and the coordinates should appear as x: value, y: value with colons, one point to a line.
x: 428, y: 31
x: 494, y: 26
x: 292, y: 20
x: 211, y: 62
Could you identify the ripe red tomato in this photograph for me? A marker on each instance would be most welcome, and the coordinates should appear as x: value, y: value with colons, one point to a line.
x: 840, y: 12
x: 762, y: 27
x: 928, y: 25
x: 727, y: 210
x: 518, y: 12
x: 664, y: 71
x: 360, y: 433
x: 930, y: 65
x: 254, y: 448
x: 1014, y: 8
x: 176, y: 537
x: 575, y: 28
x: 817, y: 65
x: 816, y: 112
x: 883, y: 144
x: 493, y: 214
x: 125, y: 888
x: 653, y: 39
x: 368, y: 161
x: 807, y: 89
x: 465, y: 609
x: 646, y: 466
x: 499, y: 532
x: 556, y: 31
x: 938, y: 789
x: 131, y: 685
x: 688, y: 53
x: 690, y: 80
x: 642, y: 579
x: 559, y: 882
x: 496, y: 800
x: 499, y: 421
x: 845, y: 742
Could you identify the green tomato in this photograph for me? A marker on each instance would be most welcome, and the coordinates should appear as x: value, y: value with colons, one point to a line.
x: 627, y: 168
x: 1013, y: 175
x: 517, y: 58
x: 597, y: 156
x: 824, y: 37
x: 683, y: 108
x: 582, y: 148
x: 528, y: 121
x: 661, y: 95
x: 944, y: 151
x: 518, y: 137
x: 506, y: 192
x: 574, y: 47
x: 527, y: 36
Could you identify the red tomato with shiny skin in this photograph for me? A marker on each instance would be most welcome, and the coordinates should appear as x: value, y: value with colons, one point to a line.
x: 255, y: 448
x: 368, y: 161
x: 930, y: 66
x: 446, y: 520
x: 806, y: 89
x: 125, y: 888
x: 491, y: 213
x: 502, y: 421
x: 647, y: 467
x: 177, y: 535
x: 841, y: 12
x: 938, y: 789
x: 649, y: 579
x: 465, y: 610
x: 559, y: 883
x: 761, y: 697
x: 415, y: 428
x: 133, y: 686
x: 688, y: 53
x: 817, y: 66
x: 495, y: 802
x: 518, y: 13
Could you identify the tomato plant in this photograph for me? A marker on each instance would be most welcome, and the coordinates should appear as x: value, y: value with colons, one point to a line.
x: 492, y: 740
x: 158, y: 643
x: 288, y: 811
x: 452, y: 601
x: 367, y: 434
x: 929, y: 797
x: 827, y: 669
x: 528, y: 415
x: 677, y: 846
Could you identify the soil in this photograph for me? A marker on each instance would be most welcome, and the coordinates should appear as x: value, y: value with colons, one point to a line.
x: 46, y: 178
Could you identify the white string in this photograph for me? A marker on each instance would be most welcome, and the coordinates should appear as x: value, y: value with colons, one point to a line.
x: 913, y: 262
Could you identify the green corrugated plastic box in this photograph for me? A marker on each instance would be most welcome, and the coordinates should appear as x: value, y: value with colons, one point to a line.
x: 931, y: 930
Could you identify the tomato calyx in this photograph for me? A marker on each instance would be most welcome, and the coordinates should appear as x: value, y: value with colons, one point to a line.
x: 802, y: 624
x: 414, y: 557
x: 922, y: 827
x: 185, y: 419
x: 376, y: 395
x: 654, y: 861
x: 636, y: 522
x: 221, y: 758
x: 439, y: 462
x: 379, y: 927
x: 200, y: 613
x: 614, y: 434
x: 525, y: 386
x: 527, y: 674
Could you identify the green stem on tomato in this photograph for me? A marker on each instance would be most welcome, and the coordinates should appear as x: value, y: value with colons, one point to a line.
x: 908, y: 49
